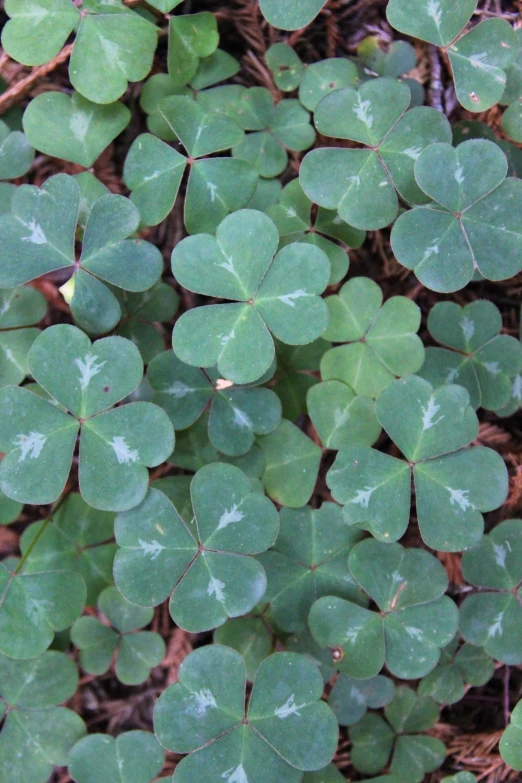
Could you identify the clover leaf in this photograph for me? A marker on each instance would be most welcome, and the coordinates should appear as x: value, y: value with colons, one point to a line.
x: 460, y: 777
x: 375, y: 739
x: 73, y: 128
x: 114, y: 45
x: 292, y: 216
x: 292, y: 465
x: 513, y: 89
x: 286, y: 66
x: 307, y: 561
x: 37, y: 734
x: 415, y: 620
x: 116, y: 446
x: 40, y: 231
x: 341, y: 417
x: 276, y: 129
x: 473, y: 222
x: 141, y: 315
x: 381, y: 339
x: 350, y: 699
x: 211, y: 578
x: 362, y: 183
x: 511, y: 740
x: 470, y: 665
x: 453, y: 484
x: 273, y: 293
x: 482, y: 360
x: 191, y: 37
x: 286, y: 728
x: 237, y: 413
x: 16, y: 153
x: 133, y: 757
x: 322, y: 78
x: 329, y: 774
x: 290, y: 14
x: 398, y: 59
x: 34, y: 606
x: 77, y: 538
x: 218, y: 67
x: 154, y: 170
x: 137, y: 651
x: 19, y: 308
x: 9, y: 509
x: 250, y: 637
x: 294, y: 374
x: 492, y: 619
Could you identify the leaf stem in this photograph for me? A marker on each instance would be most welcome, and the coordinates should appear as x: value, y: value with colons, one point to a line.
x: 40, y: 533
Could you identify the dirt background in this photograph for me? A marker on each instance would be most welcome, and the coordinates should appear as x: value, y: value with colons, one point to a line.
x: 470, y: 729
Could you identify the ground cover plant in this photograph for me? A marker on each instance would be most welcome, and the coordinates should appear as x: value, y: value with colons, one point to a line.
x: 260, y: 391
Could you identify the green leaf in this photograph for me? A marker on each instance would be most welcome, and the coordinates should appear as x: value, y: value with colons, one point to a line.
x: 398, y: 59
x: 114, y: 46
x: 285, y: 65
x: 287, y: 727
x: 36, y: 33
x: 279, y: 294
x: 513, y: 89
x: 157, y: 87
x: 492, y: 619
x: 485, y: 360
x: 16, y: 153
x: 212, y: 583
x: 76, y: 538
x: 446, y: 684
x: 201, y: 132
x: 292, y: 465
x: 293, y: 377
x: 73, y: 128
x: 383, y: 339
x: 438, y: 22
x: 341, y: 417
x: 218, y: 67
x: 291, y: 14
x: 324, y: 77
x: 329, y: 774
x: 511, y: 740
x: 414, y: 621
x: 250, y: 637
x: 34, y: 606
x: 190, y: 37
x: 307, y: 561
x: 460, y: 777
x: 479, y: 60
x: 512, y: 121
x: 133, y: 757
x: 351, y: 698
x: 14, y: 350
x: 472, y: 223
x: 9, y: 510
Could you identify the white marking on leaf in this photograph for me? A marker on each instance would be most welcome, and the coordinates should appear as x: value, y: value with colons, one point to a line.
x: 224, y: 339
x: 152, y: 548
x: 468, y: 327
x: 37, y: 236
x: 212, y: 189
x: 500, y: 555
x: 9, y: 355
x: 88, y: 369
x: 178, y: 389
x: 428, y: 415
x: 341, y: 417
x: 235, y: 775
x: 110, y: 49
x: 413, y: 152
x: 230, y: 517
x: 124, y: 454
x: 290, y: 211
x: 30, y: 445
x: 363, y: 112
x: 229, y: 266
x: 79, y: 124
x: 352, y: 634
x: 414, y: 633
x: 5, y: 306
x: 433, y: 250
x: 289, y: 299
x: 337, y: 221
x: 460, y: 498
x: 452, y: 375
x: 216, y: 587
x: 459, y: 175
x: 288, y: 708
x: 493, y: 368
x: 362, y: 496
x: 356, y: 179
x: 357, y: 696
x: 516, y: 392
x: 241, y: 419
x: 496, y: 629
x: 435, y: 11
x: 480, y: 61
x: 204, y: 699
x: 397, y: 577
x: 36, y: 607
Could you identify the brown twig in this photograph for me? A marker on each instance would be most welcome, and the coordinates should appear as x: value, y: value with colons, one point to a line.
x: 19, y: 89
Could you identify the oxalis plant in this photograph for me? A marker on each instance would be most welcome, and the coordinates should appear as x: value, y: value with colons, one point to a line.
x: 259, y: 361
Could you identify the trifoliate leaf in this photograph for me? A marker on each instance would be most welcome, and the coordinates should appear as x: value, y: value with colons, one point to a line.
x: 153, y: 91
x: 292, y: 465
x: 16, y: 153
x: 307, y: 561
x: 470, y: 665
x: 191, y: 37
x: 158, y: 555
x: 133, y: 757
x: 482, y: 360
x: 290, y: 14
x: 492, y: 619
x: 286, y: 728
x: 472, y: 223
x: 73, y: 128
x: 435, y: 21
x: 382, y: 339
x: 415, y: 618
